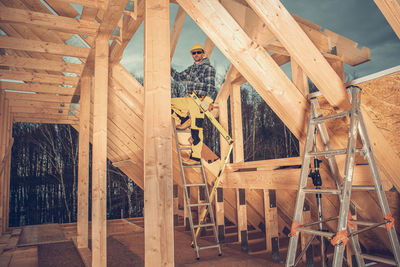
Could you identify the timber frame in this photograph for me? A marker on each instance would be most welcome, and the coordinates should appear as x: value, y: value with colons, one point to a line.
x: 55, y: 68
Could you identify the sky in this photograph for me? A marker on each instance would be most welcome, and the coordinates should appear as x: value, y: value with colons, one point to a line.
x: 358, y: 20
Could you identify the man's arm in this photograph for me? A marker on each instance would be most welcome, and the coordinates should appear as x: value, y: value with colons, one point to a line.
x: 180, y: 76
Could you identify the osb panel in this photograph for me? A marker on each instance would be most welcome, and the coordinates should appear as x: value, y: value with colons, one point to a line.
x: 381, y: 100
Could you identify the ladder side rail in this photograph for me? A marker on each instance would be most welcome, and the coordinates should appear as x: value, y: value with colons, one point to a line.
x: 348, y: 177
x: 379, y: 187
x: 196, y: 246
x: 355, y: 242
x: 210, y: 210
x: 291, y: 255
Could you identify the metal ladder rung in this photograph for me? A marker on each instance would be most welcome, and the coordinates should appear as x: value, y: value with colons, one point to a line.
x: 189, y: 185
x: 199, y: 204
x: 327, y: 153
x: 378, y: 259
x: 203, y: 225
x: 330, y: 117
x: 192, y: 166
x: 363, y: 187
x: 315, y: 232
x: 208, y: 247
x: 322, y: 191
x: 365, y: 223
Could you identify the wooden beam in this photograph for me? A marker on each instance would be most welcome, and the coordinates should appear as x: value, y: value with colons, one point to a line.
x: 37, y: 88
x: 40, y: 64
x: 47, y: 21
x: 209, y: 47
x: 123, y: 163
x: 300, y: 47
x: 83, y: 165
x: 38, y: 97
x: 99, y: 177
x: 237, y: 127
x: 158, y: 203
x: 43, y: 47
x: 242, y: 218
x: 299, y: 78
x: 64, y: 106
x: 391, y: 10
x: 176, y: 29
x: 3, y: 148
x: 38, y: 77
x: 86, y: 3
x: 48, y: 121
x: 271, y: 223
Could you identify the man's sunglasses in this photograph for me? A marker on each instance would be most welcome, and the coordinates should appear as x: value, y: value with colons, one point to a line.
x: 197, y: 52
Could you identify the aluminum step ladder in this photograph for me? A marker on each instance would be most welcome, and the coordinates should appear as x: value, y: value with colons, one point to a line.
x: 207, y: 204
x: 345, y: 226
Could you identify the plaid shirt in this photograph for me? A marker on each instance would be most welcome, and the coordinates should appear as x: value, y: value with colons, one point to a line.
x: 199, y: 77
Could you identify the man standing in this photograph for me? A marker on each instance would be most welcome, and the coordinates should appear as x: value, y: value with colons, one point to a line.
x: 199, y: 77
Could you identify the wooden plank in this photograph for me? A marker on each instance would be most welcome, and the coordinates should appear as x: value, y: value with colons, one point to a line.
x: 99, y: 177
x: 40, y: 64
x: 43, y: 47
x: 176, y: 29
x: 16, y: 103
x: 123, y: 163
x: 43, y: 111
x: 38, y: 77
x: 208, y: 47
x: 158, y: 204
x: 391, y: 10
x: 47, y: 21
x: 86, y: 3
x: 44, y: 117
x: 9, y: 142
x: 48, y: 121
x: 37, y: 88
x: 38, y: 97
x: 289, y: 33
x: 242, y: 217
x: 237, y: 128
x: 3, y: 116
x: 83, y: 165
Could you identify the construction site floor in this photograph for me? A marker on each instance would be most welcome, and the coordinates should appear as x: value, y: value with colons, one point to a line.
x: 53, y: 245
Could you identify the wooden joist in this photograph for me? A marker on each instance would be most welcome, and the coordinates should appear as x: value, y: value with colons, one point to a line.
x: 49, y: 22
x: 37, y: 88
x: 38, y: 97
x: 43, y: 47
x: 86, y: 3
x: 40, y: 64
x: 38, y: 77
x: 123, y: 163
x: 176, y: 29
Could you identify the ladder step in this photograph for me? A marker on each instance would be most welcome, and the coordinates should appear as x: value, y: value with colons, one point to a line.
x: 330, y: 117
x: 189, y: 185
x: 192, y: 166
x: 199, y: 204
x: 322, y: 191
x: 203, y: 225
x: 208, y: 247
x: 327, y: 153
x: 315, y: 232
x: 364, y: 188
x: 378, y: 259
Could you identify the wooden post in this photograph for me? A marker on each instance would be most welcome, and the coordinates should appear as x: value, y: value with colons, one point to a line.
x: 2, y: 154
x: 158, y: 188
x: 99, y: 177
x: 8, y: 166
x: 271, y: 223
x: 238, y: 156
x: 219, y: 199
x: 300, y: 80
x: 176, y: 205
x: 83, y: 163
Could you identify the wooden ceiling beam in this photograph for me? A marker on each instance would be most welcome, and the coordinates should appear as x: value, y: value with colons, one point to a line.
x: 39, y: 97
x: 37, y: 88
x: 47, y: 21
x: 43, y: 47
x: 391, y: 10
x: 86, y: 3
x: 300, y: 47
x: 41, y: 120
x: 28, y: 103
x: 38, y: 77
x: 40, y: 64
